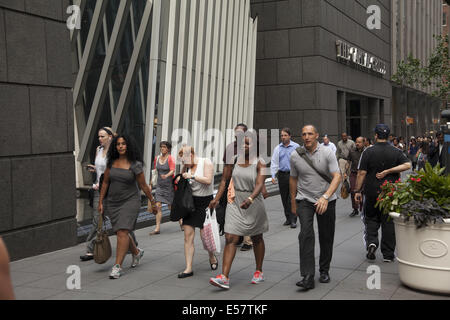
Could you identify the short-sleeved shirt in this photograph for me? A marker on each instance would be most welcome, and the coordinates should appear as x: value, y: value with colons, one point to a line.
x: 382, y: 156
x: 354, y: 157
x: 311, y: 186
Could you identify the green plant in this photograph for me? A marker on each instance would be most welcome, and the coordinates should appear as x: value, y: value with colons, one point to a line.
x: 424, y: 212
x: 429, y: 187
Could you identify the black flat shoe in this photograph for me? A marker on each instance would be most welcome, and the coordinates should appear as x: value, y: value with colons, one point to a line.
x: 324, y: 277
x: 306, y: 283
x: 214, y: 265
x: 185, y: 275
x: 287, y: 223
x: 86, y: 257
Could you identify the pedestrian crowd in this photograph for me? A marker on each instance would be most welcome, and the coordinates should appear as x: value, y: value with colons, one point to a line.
x: 308, y: 177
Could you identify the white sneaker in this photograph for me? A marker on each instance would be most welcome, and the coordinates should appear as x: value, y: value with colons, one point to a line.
x: 116, y: 272
x: 137, y: 258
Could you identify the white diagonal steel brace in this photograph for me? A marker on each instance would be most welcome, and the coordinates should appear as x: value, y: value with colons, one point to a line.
x: 105, y: 76
x: 136, y: 58
x: 151, y: 90
x: 89, y: 50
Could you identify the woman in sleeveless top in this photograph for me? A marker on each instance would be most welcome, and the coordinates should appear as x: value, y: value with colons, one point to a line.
x: 200, y: 173
x: 165, y: 168
x: 245, y: 214
x: 123, y: 178
x: 105, y: 136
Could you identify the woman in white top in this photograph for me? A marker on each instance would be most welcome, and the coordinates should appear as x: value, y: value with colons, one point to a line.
x: 200, y: 172
x: 105, y: 136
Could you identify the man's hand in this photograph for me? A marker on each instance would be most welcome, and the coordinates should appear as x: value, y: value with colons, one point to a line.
x: 321, y: 206
x: 294, y: 207
x: 274, y: 181
x: 382, y: 174
x: 358, y: 197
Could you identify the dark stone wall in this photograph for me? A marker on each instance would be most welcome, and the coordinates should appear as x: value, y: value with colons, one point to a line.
x: 298, y: 76
x: 37, y: 173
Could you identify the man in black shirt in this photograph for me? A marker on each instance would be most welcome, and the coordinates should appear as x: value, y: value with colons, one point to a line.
x: 379, y: 163
x: 353, y: 158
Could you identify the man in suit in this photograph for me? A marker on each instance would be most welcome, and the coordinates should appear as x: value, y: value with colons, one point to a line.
x: 437, y: 150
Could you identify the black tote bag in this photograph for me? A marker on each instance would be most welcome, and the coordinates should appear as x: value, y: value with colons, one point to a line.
x: 183, y: 201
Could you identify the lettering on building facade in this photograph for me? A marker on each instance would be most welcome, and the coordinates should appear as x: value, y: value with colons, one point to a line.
x: 350, y: 54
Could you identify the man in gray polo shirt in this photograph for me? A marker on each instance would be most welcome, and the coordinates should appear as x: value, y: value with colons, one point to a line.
x: 310, y: 194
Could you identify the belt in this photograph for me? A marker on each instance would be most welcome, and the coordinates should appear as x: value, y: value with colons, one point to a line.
x: 285, y: 172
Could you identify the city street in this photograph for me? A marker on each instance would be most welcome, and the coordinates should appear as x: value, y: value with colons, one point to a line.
x: 45, y: 277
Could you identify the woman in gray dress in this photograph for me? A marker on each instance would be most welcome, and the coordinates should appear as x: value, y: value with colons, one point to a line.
x: 165, y: 168
x: 246, y: 213
x: 122, y: 179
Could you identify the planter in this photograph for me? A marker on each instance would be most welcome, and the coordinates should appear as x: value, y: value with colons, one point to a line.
x: 423, y: 255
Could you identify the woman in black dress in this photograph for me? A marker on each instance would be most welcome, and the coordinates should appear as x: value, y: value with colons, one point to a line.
x: 122, y: 179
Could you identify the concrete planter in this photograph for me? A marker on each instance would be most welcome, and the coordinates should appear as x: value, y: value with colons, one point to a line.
x: 423, y: 255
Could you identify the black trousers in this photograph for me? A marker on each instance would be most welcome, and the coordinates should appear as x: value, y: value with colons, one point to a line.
x: 373, y: 219
x: 326, y: 224
x: 283, y: 184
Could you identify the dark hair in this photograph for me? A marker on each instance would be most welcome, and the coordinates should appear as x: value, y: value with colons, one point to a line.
x: 242, y: 125
x: 439, y: 133
x: 287, y: 130
x: 425, y: 146
x: 133, y: 152
x: 167, y: 144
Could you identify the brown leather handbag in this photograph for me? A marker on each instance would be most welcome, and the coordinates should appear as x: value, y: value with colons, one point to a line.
x: 345, y: 189
x: 102, y: 245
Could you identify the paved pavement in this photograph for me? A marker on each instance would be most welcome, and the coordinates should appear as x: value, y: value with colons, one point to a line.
x: 45, y: 277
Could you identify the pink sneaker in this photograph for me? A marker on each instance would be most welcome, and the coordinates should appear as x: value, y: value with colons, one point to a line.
x: 258, y: 277
x: 220, y: 281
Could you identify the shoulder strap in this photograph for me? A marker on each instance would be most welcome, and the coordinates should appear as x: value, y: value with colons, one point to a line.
x: 302, y: 153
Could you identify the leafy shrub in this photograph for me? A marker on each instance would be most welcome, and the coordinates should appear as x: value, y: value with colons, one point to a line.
x: 424, y: 196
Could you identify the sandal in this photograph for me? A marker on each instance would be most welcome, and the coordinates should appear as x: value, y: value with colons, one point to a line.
x: 154, y: 233
x: 214, y: 265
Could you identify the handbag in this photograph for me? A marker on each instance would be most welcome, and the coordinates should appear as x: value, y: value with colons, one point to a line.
x: 210, y: 235
x: 345, y: 189
x: 154, y: 180
x: 102, y: 245
x: 183, y: 201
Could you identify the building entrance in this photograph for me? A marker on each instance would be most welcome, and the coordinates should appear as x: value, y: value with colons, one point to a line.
x: 353, y: 116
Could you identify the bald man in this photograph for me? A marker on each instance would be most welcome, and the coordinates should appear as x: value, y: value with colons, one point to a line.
x: 314, y: 178
x: 353, y: 161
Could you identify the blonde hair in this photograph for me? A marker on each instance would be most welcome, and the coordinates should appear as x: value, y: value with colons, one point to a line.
x: 184, y: 148
x: 114, y: 134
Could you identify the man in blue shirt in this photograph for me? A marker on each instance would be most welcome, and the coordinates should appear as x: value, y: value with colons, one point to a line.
x: 280, y: 169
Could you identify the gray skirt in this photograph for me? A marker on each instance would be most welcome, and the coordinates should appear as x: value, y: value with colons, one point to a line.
x: 123, y: 214
x: 250, y: 222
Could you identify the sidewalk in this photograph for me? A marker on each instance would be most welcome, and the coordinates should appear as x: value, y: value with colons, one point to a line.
x: 44, y: 277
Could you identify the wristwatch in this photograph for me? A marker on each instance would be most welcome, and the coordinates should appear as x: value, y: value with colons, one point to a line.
x: 326, y: 197
x: 193, y: 177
